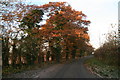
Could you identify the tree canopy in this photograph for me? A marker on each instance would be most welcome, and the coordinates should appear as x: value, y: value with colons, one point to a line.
x: 63, y: 35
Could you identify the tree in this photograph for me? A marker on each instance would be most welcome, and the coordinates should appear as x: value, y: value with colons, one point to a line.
x: 108, y: 52
x: 65, y: 28
x: 8, y: 22
x: 31, y: 20
x: 63, y: 22
x: 13, y: 15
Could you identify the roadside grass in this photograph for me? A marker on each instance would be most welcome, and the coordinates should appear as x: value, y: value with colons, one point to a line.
x: 102, y: 69
x: 12, y: 70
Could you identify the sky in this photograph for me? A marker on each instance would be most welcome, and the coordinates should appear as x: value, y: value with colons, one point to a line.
x: 101, y: 13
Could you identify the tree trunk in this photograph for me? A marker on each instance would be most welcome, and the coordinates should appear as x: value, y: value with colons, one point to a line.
x: 73, y: 54
x: 39, y: 59
x: 67, y: 56
x: 14, y: 56
x: 5, y: 52
x: 48, y: 56
x: 19, y: 58
x: 58, y: 57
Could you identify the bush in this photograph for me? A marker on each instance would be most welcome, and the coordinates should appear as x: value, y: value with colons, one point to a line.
x: 108, y: 53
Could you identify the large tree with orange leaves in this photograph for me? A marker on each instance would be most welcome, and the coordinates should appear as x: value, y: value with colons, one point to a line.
x: 65, y: 31
x: 66, y: 24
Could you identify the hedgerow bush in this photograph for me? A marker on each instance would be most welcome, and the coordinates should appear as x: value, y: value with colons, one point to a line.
x: 109, y: 52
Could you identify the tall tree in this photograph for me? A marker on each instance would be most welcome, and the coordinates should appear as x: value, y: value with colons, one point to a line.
x: 12, y: 15
x: 63, y: 22
x: 30, y: 25
x: 8, y: 29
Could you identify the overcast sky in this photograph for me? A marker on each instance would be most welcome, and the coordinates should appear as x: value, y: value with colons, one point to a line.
x: 101, y: 13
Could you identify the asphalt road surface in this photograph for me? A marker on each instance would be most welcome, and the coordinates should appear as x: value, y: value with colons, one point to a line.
x: 75, y: 69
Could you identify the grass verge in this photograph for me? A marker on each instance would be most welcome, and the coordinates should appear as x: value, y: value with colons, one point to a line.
x: 12, y: 70
x: 102, y: 69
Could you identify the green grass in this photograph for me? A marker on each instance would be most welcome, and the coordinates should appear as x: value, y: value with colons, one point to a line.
x: 12, y: 70
x: 104, y: 70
